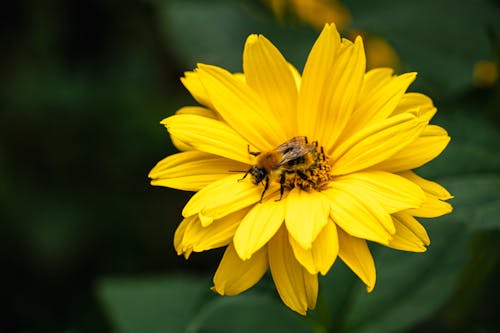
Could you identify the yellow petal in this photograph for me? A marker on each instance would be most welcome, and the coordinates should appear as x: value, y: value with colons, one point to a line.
x: 321, y: 256
x: 405, y: 238
x: 358, y: 214
x: 377, y: 101
x: 209, y: 135
x: 234, y: 275
x: 192, y: 170
x: 223, y: 197
x: 181, y: 146
x: 431, y: 207
x: 242, y: 108
x: 428, y: 186
x: 376, y: 79
x: 297, y: 288
x: 296, y: 76
x: 179, y: 237
x: 316, y: 72
x: 356, y: 255
x: 306, y: 215
x: 196, y: 110
x: 393, y: 192
x: 341, y: 93
x: 376, y: 143
x: 434, y: 193
x: 411, y: 101
x: 220, y: 233
x: 414, y: 226
x: 191, y: 81
x: 432, y: 141
x: 199, y: 111
x: 258, y: 226
x: 269, y: 74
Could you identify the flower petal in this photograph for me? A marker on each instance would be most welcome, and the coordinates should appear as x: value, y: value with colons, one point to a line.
x: 223, y: 197
x: 434, y: 193
x: 379, y: 97
x: 358, y: 214
x: 198, y: 238
x: 179, y: 237
x: 234, y: 275
x: 296, y: 76
x: 192, y: 170
x: 411, y: 101
x: 306, y: 215
x: 432, y: 141
x: 208, y: 135
x: 297, y: 288
x: 428, y: 186
x: 199, y: 111
x: 414, y: 226
x: 242, y: 109
x: 196, y: 110
x: 431, y: 207
x: 393, y: 192
x: 316, y: 72
x: 321, y: 256
x: 356, y: 255
x: 258, y: 227
x: 192, y: 82
x: 269, y: 74
x: 341, y: 93
x: 405, y: 238
x: 376, y: 143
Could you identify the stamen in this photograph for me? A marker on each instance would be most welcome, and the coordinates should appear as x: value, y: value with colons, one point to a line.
x: 315, y: 177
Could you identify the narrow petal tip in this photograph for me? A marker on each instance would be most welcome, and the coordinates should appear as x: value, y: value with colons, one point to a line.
x: 252, y: 39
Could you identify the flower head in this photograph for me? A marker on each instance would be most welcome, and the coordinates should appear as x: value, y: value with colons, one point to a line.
x: 293, y: 171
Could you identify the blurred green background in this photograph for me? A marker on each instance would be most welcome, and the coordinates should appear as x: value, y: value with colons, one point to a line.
x: 86, y: 242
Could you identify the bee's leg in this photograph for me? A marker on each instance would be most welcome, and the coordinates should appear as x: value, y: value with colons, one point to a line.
x: 305, y: 138
x: 304, y: 176
x: 254, y: 153
x: 282, y: 185
x: 266, y: 186
x: 322, y: 153
x: 245, y: 175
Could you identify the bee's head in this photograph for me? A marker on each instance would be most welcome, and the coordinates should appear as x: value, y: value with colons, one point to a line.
x: 258, y: 174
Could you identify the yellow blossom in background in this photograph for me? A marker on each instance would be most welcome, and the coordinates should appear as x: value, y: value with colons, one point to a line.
x: 485, y: 73
x: 379, y: 53
x: 313, y: 12
x: 294, y: 170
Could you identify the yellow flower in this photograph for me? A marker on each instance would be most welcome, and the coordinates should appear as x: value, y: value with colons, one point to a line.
x: 350, y: 182
x: 485, y: 73
x: 313, y: 12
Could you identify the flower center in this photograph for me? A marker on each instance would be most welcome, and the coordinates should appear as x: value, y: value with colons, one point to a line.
x: 295, y: 163
x: 309, y: 172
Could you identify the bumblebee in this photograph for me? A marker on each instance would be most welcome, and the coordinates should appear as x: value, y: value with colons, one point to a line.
x: 292, y: 158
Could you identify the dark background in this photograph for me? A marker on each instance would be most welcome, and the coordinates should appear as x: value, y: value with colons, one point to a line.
x: 83, y: 87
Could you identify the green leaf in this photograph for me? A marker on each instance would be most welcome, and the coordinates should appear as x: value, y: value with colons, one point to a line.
x: 214, y: 32
x: 410, y: 286
x: 476, y: 202
x: 335, y: 289
x: 440, y: 39
x: 474, y: 146
x: 247, y: 314
x: 151, y: 304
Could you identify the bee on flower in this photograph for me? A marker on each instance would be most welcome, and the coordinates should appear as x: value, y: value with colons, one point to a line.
x: 325, y: 161
x: 293, y: 164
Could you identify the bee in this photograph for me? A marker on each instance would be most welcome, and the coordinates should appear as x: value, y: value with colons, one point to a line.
x: 295, y: 156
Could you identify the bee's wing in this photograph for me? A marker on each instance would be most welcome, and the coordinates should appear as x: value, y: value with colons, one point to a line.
x: 293, y: 149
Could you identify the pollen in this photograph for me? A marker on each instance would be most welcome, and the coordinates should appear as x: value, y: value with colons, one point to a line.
x: 315, y: 177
